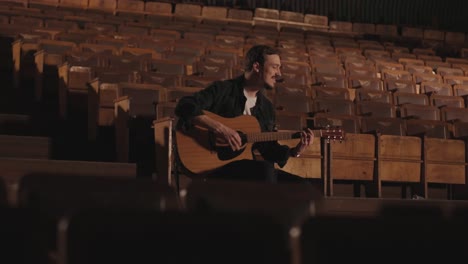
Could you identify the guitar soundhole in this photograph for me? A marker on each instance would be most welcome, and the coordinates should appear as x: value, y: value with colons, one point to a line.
x: 226, y: 153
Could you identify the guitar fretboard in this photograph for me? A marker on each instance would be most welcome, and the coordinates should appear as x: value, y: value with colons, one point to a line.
x: 272, y: 136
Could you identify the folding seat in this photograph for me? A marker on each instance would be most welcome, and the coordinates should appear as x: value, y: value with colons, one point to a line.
x: 133, y: 30
x: 381, y: 65
x: 455, y: 39
x: 359, y: 64
x: 135, y: 110
x: 436, y: 64
x: 324, y: 59
x: 345, y: 123
x: 165, y: 80
x: 348, y: 51
x: 340, y: 26
x: 377, y: 54
x: 444, y: 165
x: 382, y: 125
x: 102, y: 91
x: 399, y: 161
x: 370, y: 46
x: 458, y: 118
x: 419, y: 78
x: 221, y: 72
x: 166, y: 66
x: 365, y: 94
x: 328, y: 69
x: 424, y: 51
x: 105, y: 40
x: 455, y: 79
x: 297, y: 103
x: 289, y: 198
x: 72, y: 90
x: 224, y: 40
x: 397, y: 56
x: 27, y: 21
x: 396, y: 75
x: 436, y: 88
x: 139, y: 52
x: 461, y: 90
x: 60, y: 24
x: 330, y: 93
x: 408, y: 61
x: 377, y: 224
x: 333, y: 106
x: 234, y: 54
x: 386, y: 31
x: 290, y: 121
x: 72, y: 5
x: 197, y: 81
x: 169, y: 232
x: 100, y: 7
x: 165, y: 33
x: 294, y: 79
x: 442, y: 71
x: 77, y: 36
x: 462, y: 66
x: 159, y: 11
x: 426, y: 57
x: 214, y: 15
x: 351, y: 161
x: 51, y: 53
x: 131, y: 60
x: 130, y: 10
x: 423, y: 120
x: 397, y: 50
x: 290, y: 88
x: 375, y: 109
x: 330, y: 80
x: 188, y: 13
x: 100, y: 27
x: 300, y: 67
x: 452, y: 60
x: 318, y: 22
x: 402, y: 86
x: 174, y: 94
x: 402, y: 98
x: 206, y: 38
x: 240, y: 17
x: 356, y: 72
x: 38, y: 192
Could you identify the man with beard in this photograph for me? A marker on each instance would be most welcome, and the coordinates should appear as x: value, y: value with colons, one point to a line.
x: 244, y: 96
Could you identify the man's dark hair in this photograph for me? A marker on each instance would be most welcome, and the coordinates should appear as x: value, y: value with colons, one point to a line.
x: 257, y: 54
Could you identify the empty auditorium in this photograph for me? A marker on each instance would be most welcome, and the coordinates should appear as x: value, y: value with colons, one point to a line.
x: 242, y: 131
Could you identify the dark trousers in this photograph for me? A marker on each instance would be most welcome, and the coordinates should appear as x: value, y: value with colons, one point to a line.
x: 253, y: 170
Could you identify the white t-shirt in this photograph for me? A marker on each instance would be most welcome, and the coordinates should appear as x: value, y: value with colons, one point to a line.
x: 249, y: 103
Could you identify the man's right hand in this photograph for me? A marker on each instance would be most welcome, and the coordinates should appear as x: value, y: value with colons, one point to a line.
x: 223, y: 132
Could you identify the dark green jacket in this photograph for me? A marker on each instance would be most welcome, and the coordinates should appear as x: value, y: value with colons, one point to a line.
x: 226, y: 99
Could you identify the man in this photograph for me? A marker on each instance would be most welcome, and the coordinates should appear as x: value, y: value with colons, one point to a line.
x: 244, y: 96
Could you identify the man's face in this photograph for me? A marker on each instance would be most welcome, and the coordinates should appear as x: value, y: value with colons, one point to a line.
x: 271, y: 69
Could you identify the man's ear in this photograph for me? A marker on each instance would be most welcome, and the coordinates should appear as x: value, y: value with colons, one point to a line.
x: 256, y: 67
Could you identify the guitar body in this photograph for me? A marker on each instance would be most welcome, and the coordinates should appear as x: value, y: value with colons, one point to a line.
x: 199, y: 155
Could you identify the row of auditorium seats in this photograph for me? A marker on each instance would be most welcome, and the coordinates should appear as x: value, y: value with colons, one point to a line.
x: 196, y: 11
x: 109, y: 219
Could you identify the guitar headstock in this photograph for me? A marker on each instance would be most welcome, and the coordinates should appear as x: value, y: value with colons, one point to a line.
x: 333, y: 133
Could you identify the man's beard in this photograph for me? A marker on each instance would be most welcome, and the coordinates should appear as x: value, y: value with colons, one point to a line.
x: 278, y: 79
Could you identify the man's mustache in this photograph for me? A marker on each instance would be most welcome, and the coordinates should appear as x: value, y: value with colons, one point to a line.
x: 279, y: 78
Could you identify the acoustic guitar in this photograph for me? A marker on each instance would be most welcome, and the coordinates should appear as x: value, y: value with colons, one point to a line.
x: 201, y: 152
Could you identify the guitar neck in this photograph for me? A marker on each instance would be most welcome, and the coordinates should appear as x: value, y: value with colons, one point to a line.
x: 272, y: 136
